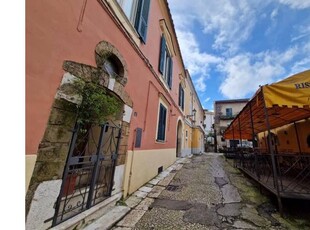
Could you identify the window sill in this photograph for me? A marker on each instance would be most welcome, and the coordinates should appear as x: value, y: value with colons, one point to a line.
x: 164, y: 82
x: 160, y: 141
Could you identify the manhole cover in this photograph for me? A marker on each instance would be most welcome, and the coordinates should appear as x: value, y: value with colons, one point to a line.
x: 172, y: 187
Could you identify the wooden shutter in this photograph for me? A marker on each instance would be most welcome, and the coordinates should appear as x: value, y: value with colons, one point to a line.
x: 181, y: 96
x: 164, y: 123
x: 180, y: 102
x: 161, y: 123
x: 170, y: 72
x: 162, y: 55
x: 142, y: 18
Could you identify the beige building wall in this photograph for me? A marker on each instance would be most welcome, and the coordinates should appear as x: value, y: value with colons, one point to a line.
x: 221, y: 121
x: 236, y: 107
x: 137, y: 173
x: 187, y: 140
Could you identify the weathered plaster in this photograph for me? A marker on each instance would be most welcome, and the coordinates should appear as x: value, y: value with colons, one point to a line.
x: 118, y: 179
x: 42, y: 205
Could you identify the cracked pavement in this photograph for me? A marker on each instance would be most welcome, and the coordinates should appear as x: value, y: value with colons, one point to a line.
x: 209, y: 193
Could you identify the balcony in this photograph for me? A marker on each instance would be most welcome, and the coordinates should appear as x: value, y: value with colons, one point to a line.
x: 228, y: 117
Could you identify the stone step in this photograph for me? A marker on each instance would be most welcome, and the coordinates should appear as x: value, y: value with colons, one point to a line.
x: 109, y: 219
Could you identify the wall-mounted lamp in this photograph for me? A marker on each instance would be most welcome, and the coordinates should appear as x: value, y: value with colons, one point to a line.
x: 193, y: 115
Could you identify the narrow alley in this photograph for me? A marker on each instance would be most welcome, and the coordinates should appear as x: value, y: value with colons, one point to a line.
x: 205, y: 192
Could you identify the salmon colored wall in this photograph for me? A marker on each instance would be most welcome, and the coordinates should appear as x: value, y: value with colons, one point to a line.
x: 52, y: 37
x: 152, y: 47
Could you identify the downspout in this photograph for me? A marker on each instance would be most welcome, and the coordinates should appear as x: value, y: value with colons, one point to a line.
x: 79, y: 26
x: 131, y: 163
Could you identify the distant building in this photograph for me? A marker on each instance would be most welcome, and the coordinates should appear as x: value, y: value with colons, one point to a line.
x: 224, y: 112
x: 193, y: 133
x: 209, y: 130
x: 208, y: 121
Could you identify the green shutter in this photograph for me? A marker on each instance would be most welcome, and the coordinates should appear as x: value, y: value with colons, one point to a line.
x: 164, y: 123
x: 142, y: 18
x: 180, y: 92
x: 161, y: 130
x: 182, y: 99
x: 162, y: 55
x: 170, y: 73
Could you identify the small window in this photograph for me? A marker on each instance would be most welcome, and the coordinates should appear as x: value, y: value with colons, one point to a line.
x: 181, y: 96
x: 111, y: 67
x: 165, y: 62
x: 137, y: 11
x: 229, y: 112
x: 161, y: 128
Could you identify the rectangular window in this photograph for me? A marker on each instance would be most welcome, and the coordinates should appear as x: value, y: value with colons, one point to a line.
x: 137, y: 11
x: 165, y: 62
x: 181, y: 96
x: 161, y: 128
x: 229, y: 112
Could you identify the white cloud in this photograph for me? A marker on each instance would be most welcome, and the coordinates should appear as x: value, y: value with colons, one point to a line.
x: 230, y: 22
x: 300, y: 66
x: 245, y: 72
x: 207, y: 99
x: 200, y: 85
x: 196, y: 62
x: 302, y: 32
x: 296, y: 4
x: 274, y: 13
x: 227, y: 24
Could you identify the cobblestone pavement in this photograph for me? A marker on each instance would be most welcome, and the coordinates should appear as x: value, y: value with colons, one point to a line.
x: 206, y: 193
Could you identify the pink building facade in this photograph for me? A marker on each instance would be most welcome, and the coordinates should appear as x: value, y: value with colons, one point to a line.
x: 128, y: 48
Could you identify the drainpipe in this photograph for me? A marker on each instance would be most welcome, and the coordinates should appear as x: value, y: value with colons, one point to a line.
x: 79, y: 26
x: 131, y: 163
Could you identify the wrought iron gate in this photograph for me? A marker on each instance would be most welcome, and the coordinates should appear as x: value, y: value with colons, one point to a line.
x: 89, y: 171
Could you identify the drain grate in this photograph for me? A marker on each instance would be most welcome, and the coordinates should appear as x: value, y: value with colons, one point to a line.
x: 172, y: 188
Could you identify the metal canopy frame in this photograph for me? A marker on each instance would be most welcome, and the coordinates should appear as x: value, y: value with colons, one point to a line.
x: 256, y: 118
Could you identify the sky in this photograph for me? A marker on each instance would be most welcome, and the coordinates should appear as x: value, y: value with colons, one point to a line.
x: 231, y: 47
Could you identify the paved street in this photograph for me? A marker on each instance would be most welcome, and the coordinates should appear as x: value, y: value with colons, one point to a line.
x: 205, y: 192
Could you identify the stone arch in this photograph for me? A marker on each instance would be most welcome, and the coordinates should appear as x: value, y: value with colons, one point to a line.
x: 106, y: 51
x: 53, y: 150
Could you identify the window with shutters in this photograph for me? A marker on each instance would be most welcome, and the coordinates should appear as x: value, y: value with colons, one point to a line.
x: 165, y: 62
x: 181, y: 97
x: 137, y: 11
x: 161, y: 126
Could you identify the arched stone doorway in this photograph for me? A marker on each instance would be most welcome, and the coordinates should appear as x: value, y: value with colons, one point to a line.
x: 179, y: 139
x: 68, y: 151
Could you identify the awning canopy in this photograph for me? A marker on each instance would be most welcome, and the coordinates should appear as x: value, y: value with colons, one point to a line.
x: 283, y: 102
